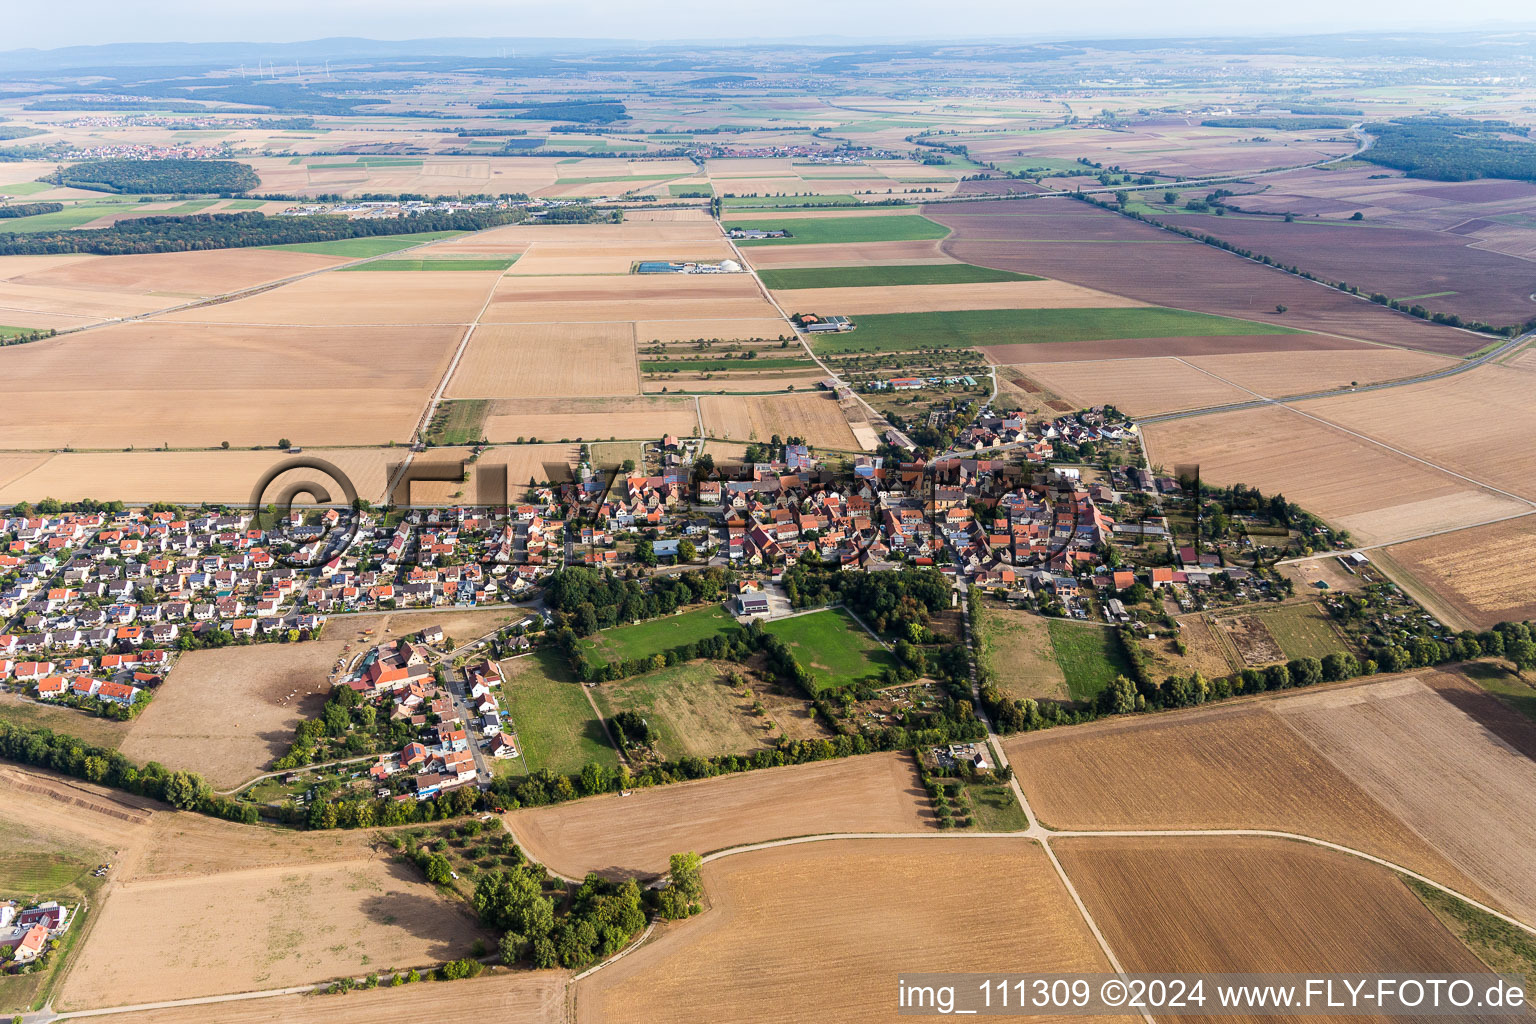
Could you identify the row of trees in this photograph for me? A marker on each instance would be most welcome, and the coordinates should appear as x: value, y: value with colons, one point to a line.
x: 587, y: 600
x: 28, y: 209
x: 239, y: 230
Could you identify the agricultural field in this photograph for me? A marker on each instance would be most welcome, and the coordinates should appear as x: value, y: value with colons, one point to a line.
x: 1232, y: 766
x: 1084, y: 245
x: 556, y: 360
x: 367, y: 247
x: 823, y: 230
x: 816, y: 418
x: 1262, y: 636
x: 692, y: 709
x: 1275, y: 374
x: 1239, y: 904
x: 556, y: 727
x: 847, y: 254
x: 965, y: 297
x: 1473, y: 578
x: 1420, y: 753
x: 625, y: 297
x: 1014, y: 330
x: 554, y: 258
x: 1374, y: 493
x: 1477, y: 423
x: 1137, y: 387
x: 224, y: 388
x: 615, y: 835
x: 551, y: 418
x: 444, y: 264
x: 896, y: 276
x: 834, y: 648
x: 839, y: 916
x: 357, y: 300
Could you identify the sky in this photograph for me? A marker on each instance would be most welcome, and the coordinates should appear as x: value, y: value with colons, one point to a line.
x: 84, y: 22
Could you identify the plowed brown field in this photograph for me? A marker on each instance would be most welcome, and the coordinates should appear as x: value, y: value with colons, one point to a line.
x: 637, y: 833
x: 842, y: 919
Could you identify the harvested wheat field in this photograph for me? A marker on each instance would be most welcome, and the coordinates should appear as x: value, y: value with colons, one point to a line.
x: 847, y: 254
x: 637, y: 833
x: 575, y: 418
x: 1274, y: 374
x: 1232, y: 766
x: 228, y: 713
x: 1137, y: 387
x: 29, y: 304
x: 924, y: 298
x: 772, y: 328
x: 1479, y: 423
x: 544, y: 259
x: 174, y: 275
x: 383, y: 298
x: 597, y: 298
x: 191, y: 477
x: 1482, y: 576
x: 300, y: 924
x: 554, y: 360
x: 47, y: 804
x: 506, y: 997
x: 1437, y: 768
x: 817, y: 418
x: 841, y: 919
x: 1377, y: 495
x: 1241, y: 904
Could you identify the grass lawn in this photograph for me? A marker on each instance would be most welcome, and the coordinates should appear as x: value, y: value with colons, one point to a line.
x: 994, y: 808
x: 814, y: 230
x: 879, y: 277
x: 643, y: 639
x: 1505, y: 685
x: 763, y: 202
x: 719, y: 365
x: 972, y: 328
x: 1302, y: 631
x: 555, y: 725
x: 691, y: 708
x: 833, y: 648
x: 458, y: 421
x: 444, y: 264
x: 1089, y: 656
x: 361, y: 248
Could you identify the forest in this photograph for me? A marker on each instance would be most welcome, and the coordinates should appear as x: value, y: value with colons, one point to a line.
x: 157, y: 176
x: 584, y: 111
x: 1451, y: 149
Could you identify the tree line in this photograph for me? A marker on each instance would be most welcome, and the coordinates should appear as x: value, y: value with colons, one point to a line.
x: 29, y: 209
x: 240, y: 230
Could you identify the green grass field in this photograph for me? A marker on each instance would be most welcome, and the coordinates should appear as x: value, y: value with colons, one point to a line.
x: 1302, y: 631
x: 441, y: 264
x: 643, y: 639
x: 994, y: 808
x: 1505, y: 685
x: 26, y: 188
x: 361, y: 248
x: 819, y: 230
x: 885, y: 277
x: 768, y: 202
x: 973, y: 328
x: 691, y: 709
x: 717, y: 365
x: 7, y: 331
x: 69, y: 217
x: 459, y: 421
x: 555, y: 724
x: 245, y: 204
x: 29, y: 874
x: 684, y: 190
x: 1089, y: 656
x: 833, y: 648
x: 195, y: 206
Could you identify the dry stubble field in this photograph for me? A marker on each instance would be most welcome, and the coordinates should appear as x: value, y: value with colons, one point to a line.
x: 556, y: 360
x: 381, y: 298
x: 637, y: 833
x: 1437, y: 768
x: 1286, y: 373
x: 1138, y: 387
x: 921, y: 298
x: 645, y: 418
x: 622, y: 297
x: 1377, y: 495
x: 815, y: 417
x: 1240, y: 904
x: 817, y: 932
x: 1482, y: 576
x: 1233, y: 766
